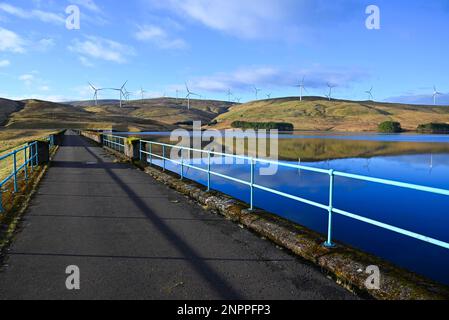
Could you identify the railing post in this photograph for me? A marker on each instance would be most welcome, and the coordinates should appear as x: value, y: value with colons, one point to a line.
x: 329, y: 243
x: 25, y: 163
x: 1, y: 199
x: 36, y: 154
x: 140, y: 150
x: 16, y: 188
x: 163, y: 157
x: 253, y: 163
x: 150, y: 150
x: 182, y: 164
x: 208, y: 171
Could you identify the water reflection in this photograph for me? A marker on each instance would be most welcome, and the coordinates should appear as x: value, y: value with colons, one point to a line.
x: 424, y: 163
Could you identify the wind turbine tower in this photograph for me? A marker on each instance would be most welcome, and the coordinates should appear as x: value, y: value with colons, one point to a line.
x: 257, y: 90
x: 370, y: 94
x: 142, y: 93
x: 229, y: 94
x: 302, y: 88
x: 330, y: 86
x: 435, y: 95
x: 189, y: 94
x: 95, y: 93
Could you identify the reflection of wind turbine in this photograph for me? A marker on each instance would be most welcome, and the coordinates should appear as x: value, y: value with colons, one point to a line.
x: 435, y: 95
x: 95, y: 93
x: 330, y: 86
x: 189, y: 93
x: 370, y: 94
x: 257, y: 90
x: 302, y: 88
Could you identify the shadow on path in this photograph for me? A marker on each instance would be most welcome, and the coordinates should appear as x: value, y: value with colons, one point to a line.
x: 214, y: 280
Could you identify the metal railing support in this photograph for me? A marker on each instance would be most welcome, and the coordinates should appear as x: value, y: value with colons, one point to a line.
x: 151, y: 153
x: 208, y: 171
x: 253, y: 164
x: 25, y: 162
x: 140, y: 150
x: 163, y: 157
x: 330, y: 207
x: 182, y: 165
x: 329, y: 243
x: 16, y: 187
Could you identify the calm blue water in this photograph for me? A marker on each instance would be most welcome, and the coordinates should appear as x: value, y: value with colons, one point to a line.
x: 415, y: 211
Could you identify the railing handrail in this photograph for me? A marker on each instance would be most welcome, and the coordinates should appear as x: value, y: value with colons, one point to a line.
x: 331, y: 173
x: 312, y: 169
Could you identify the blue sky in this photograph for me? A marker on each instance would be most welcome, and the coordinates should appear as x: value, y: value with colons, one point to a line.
x: 218, y: 45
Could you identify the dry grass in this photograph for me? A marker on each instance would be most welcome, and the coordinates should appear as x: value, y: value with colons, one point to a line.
x: 14, y: 139
x: 323, y: 115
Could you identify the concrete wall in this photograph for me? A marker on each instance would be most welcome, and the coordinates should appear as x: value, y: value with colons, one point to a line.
x: 95, y: 136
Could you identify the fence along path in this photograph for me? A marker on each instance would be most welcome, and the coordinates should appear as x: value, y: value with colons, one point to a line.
x: 133, y: 238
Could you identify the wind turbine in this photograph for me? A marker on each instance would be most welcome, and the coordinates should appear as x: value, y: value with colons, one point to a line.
x: 189, y: 93
x: 302, y: 88
x: 370, y: 94
x: 435, y: 95
x: 257, y: 90
x: 229, y: 94
x: 142, y: 92
x: 268, y: 95
x: 238, y: 100
x: 122, y: 93
x: 95, y: 93
x: 330, y: 86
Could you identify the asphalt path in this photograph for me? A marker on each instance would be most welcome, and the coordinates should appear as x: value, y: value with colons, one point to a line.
x: 133, y: 238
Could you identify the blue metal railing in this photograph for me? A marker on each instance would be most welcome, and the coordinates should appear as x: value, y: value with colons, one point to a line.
x: 146, y: 149
x: 116, y: 143
x: 30, y: 161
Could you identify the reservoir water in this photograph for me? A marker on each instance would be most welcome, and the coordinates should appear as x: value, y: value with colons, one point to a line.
x: 418, y: 159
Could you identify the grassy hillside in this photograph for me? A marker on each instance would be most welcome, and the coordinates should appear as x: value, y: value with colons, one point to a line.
x: 146, y: 115
x: 7, y: 107
x: 315, y: 113
x: 167, y: 110
x: 35, y: 114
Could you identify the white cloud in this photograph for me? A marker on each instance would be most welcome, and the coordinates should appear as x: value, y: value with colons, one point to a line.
x: 245, y: 78
x: 4, y: 63
x: 43, y: 16
x: 10, y: 41
x: 159, y: 37
x: 103, y: 49
x: 27, y: 79
x: 246, y: 19
x: 86, y: 62
x: 88, y: 4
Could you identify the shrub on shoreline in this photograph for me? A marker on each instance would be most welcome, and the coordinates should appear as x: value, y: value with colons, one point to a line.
x: 390, y: 127
x: 281, y: 126
x: 433, y: 128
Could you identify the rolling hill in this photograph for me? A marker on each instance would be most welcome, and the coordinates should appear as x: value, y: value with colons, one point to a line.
x: 8, y: 107
x: 146, y: 115
x: 315, y: 113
